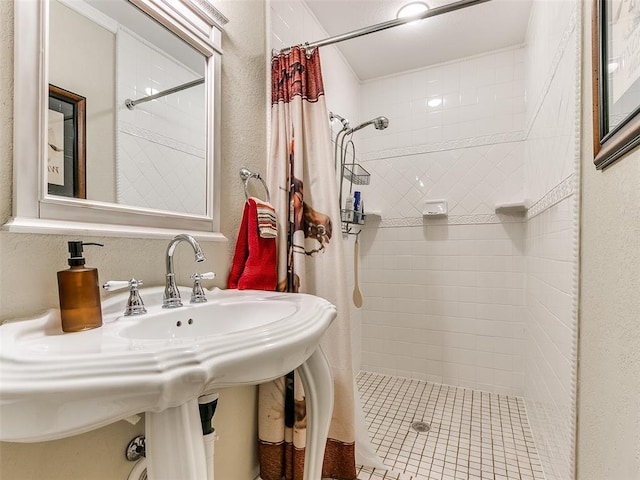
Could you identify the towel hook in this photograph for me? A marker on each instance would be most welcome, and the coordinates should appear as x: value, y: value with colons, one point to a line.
x: 246, y: 175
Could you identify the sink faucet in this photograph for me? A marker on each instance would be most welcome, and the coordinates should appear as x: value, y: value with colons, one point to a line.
x: 171, y: 294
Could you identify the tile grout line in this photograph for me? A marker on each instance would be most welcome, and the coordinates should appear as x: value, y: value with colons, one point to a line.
x: 496, y: 426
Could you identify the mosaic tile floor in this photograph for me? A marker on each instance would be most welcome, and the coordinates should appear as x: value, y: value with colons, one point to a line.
x: 473, y: 435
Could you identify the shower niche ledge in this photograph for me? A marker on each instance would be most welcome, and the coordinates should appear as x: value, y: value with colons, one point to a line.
x: 512, y: 208
x: 55, y: 384
x: 435, y: 208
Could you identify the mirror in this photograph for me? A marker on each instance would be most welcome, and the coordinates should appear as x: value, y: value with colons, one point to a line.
x: 124, y: 96
x: 150, y: 154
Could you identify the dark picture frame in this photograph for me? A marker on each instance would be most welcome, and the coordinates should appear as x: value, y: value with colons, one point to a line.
x: 66, y: 149
x: 616, y: 80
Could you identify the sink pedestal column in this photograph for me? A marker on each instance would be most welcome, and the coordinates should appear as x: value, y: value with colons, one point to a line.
x: 174, y: 445
x: 175, y: 448
x: 317, y: 382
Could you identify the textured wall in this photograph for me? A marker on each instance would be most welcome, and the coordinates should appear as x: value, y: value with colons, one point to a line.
x: 609, y: 357
x: 6, y: 112
x: 32, y: 260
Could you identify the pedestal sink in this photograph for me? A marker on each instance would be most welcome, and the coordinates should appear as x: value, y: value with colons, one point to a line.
x: 55, y: 384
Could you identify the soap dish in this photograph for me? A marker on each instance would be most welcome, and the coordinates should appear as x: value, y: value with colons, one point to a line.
x: 435, y: 208
x: 511, y: 208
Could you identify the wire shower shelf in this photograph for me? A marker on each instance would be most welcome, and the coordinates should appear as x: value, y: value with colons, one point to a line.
x: 356, y: 174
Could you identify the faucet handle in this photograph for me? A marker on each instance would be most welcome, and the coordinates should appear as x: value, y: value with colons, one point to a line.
x: 197, y: 294
x: 135, y: 305
x: 113, y: 285
x: 203, y: 276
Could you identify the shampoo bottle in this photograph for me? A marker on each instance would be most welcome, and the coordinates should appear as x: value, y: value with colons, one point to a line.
x: 357, y: 207
x: 348, y: 209
x: 79, y: 293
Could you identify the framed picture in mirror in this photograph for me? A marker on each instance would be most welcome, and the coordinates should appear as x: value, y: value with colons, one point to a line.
x: 66, y: 144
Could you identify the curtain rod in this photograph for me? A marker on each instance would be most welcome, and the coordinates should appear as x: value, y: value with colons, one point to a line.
x: 132, y: 103
x: 432, y: 12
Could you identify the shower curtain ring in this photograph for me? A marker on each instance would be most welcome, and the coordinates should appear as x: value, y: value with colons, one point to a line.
x: 308, y: 49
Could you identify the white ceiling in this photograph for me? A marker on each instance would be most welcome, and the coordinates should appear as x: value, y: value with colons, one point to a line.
x: 480, y: 28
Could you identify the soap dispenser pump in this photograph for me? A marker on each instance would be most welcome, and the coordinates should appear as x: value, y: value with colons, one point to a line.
x: 79, y: 292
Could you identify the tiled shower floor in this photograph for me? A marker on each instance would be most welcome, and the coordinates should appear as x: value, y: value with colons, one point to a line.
x: 474, y: 435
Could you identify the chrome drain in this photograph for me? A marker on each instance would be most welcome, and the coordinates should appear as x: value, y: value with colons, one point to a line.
x: 420, y: 427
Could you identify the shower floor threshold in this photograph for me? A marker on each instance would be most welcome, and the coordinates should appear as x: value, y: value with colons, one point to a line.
x: 472, y: 435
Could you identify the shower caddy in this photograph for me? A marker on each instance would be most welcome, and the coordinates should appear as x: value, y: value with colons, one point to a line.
x: 353, y: 172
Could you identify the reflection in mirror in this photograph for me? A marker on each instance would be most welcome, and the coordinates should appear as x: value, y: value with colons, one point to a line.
x: 623, y: 63
x: 151, y: 155
x: 65, y: 146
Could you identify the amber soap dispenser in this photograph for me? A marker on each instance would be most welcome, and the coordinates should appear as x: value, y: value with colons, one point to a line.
x: 79, y: 293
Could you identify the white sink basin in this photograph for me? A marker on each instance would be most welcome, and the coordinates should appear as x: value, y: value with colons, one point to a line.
x: 209, y: 319
x: 55, y: 384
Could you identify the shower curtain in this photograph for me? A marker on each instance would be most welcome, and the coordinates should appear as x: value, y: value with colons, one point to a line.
x: 310, y: 260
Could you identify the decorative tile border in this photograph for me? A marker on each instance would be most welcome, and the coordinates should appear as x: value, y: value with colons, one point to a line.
x: 134, y: 130
x: 575, y: 273
x: 566, y: 188
x: 507, y: 137
x: 561, y: 191
x: 478, y: 219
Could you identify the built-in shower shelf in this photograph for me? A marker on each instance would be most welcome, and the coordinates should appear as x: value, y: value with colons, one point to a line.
x: 356, y: 174
x: 511, y: 208
x: 435, y: 208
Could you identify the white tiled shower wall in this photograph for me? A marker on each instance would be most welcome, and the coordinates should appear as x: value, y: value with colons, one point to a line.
x: 478, y: 99
x: 551, y: 173
x: 467, y: 325
x: 551, y: 110
x: 472, y: 180
x: 444, y: 297
x: 550, y: 356
x: 161, y: 144
x: 444, y: 304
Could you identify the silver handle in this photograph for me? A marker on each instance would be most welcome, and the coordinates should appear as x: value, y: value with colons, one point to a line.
x: 203, y: 276
x: 113, y: 285
x: 197, y: 293
x: 135, y: 305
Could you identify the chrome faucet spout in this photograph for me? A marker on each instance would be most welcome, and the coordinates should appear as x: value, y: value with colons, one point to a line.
x: 171, y: 293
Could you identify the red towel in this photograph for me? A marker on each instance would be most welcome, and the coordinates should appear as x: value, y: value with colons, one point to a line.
x: 254, y: 264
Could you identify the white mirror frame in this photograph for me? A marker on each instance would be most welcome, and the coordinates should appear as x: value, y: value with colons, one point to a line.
x: 198, y: 23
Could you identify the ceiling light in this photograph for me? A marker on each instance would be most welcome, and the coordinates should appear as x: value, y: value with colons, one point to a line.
x: 412, y: 9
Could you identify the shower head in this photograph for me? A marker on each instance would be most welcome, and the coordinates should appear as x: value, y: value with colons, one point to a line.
x: 379, y: 123
x: 345, y: 122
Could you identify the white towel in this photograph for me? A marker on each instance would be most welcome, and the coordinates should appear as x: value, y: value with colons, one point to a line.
x: 267, y: 226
